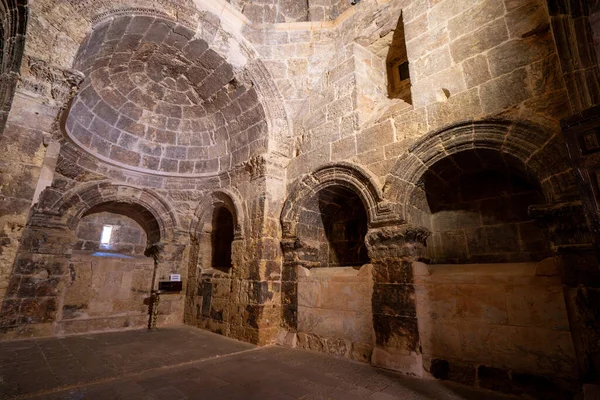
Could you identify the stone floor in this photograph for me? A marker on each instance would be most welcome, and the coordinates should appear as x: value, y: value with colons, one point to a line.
x: 187, y: 363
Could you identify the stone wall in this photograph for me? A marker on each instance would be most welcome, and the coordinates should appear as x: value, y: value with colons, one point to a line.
x: 334, y: 311
x: 127, y: 236
x: 482, y: 320
x: 22, y: 145
x: 501, y: 62
x: 107, y: 292
x: 279, y: 111
x: 478, y: 201
x: 326, y: 10
x: 334, y: 222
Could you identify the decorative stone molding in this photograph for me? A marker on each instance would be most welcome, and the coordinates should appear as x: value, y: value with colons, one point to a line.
x: 256, y: 167
x: 393, y: 237
x: 269, y: 164
x: 220, y: 197
x: 541, y: 151
x: 565, y: 224
x: 14, y: 15
x: 52, y: 83
x: 380, y: 211
x: 99, y: 18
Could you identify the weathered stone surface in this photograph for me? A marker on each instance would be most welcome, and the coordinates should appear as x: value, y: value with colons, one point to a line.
x: 255, y: 149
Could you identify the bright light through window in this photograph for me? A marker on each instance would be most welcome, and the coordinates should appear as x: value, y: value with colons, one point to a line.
x: 106, y: 232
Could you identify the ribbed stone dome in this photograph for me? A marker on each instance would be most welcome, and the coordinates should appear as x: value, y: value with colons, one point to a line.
x: 156, y: 98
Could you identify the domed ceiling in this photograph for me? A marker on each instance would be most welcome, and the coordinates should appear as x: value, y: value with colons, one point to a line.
x: 157, y: 99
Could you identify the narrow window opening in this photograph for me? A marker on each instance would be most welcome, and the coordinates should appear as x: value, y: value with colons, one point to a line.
x: 106, y: 234
x: 397, y: 66
x: 403, y: 71
x: 222, y: 239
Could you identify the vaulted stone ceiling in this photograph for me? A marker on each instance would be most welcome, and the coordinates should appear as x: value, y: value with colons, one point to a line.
x: 159, y: 100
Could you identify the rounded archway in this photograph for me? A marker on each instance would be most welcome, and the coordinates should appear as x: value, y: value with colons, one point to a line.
x: 328, y: 279
x: 541, y: 152
x: 216, y: 237
x: 146, y: 207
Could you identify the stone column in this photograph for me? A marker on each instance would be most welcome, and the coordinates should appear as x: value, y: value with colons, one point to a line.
x: 259, y: 296
x: 40, y: 272
x: 295, y: 254
x: 393, y: 250
x: 572, y: 242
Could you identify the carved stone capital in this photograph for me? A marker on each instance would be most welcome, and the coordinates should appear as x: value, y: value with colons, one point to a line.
x: 565, y: 224
x: 299, y: 252
x: 266, y: 165
x: 56, y: 85
x: 401, y: 241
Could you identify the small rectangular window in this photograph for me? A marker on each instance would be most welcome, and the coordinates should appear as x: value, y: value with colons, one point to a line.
x: 403, y: 70
x: 106, y: 232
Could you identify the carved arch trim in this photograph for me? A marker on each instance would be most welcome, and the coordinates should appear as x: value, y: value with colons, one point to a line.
x: 219, y: 198
x: 366, y: 185
x: 14, y: 15
x: 75, y: 203
x: 541, y: 150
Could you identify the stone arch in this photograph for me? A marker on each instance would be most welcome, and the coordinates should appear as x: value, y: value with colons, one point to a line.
x: 13, y: 14
x: 350, y: 176
x: 202, y: 269
x: 540, y: 150
x: 325, y: 219
x: 106, y: 196
x: 220, y: 197
x: 50, y: 237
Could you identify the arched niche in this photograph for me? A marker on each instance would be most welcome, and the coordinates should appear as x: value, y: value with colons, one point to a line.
x: 49, y: 258
x: 109, y: 256
x: 352, y: 177
x: 472, y: 184
x: 327, y: 284
x: 217, y: 238
x: 540, y: 150
x: 476, y: 205
x: 146, y: 207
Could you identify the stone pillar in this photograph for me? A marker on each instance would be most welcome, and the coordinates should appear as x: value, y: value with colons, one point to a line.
x: 170, y: 257
x: 572, y: 242
x: 393, y: 250
x: 43, y: 94
x: 575, y: 47
x: 259, y: 296
x: 40, y: 272
x: 295, y: 254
